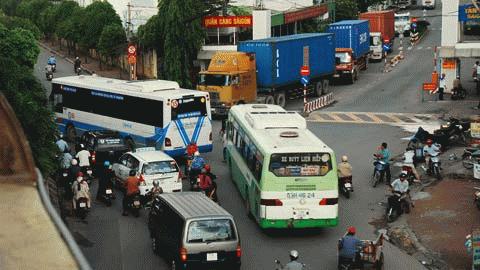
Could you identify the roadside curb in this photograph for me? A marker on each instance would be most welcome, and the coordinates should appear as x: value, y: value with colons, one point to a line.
x: 41, y: 44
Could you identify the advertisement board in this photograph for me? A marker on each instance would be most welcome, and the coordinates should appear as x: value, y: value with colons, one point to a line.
x: 227, y: 21
x: 468, y: 13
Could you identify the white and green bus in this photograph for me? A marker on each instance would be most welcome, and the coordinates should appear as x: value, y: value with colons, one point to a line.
x: 286, y: 175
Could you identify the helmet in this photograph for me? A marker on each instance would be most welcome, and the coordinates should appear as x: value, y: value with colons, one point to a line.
x: 76, y: 58
x: 74, y: 162
x: 429, y: 141
x: 79, y: 174
x: 207, y: 167
x: 82, y: 146
x: 294, y: 254
x: 403, y: 174
x: 351, y: 230
x: 60, y: 135
x: 156, y: 183
x: 132, y: 172
x: 106, y: 163
x: 344, y: 158
x: 196, y: 153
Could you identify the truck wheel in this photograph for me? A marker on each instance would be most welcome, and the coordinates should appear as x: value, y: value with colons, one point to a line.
x: 269, y: 100
x: 366, y: 64
x: 326, y: 86
x: 280, y: 99
x: 319, y: 88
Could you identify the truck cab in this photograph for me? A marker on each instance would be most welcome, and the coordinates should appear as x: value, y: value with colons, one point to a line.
x: 402, y: 23
x: 345, y: 64
x: 230, y: 79
x: 404, y: 4
x: 376, y: 46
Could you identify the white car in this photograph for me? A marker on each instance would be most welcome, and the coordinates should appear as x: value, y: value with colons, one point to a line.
x: 150, y: 164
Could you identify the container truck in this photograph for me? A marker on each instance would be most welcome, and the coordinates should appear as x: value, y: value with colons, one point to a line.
x: 351, y: 48
x: 268, y: 71
x: 382, y: 32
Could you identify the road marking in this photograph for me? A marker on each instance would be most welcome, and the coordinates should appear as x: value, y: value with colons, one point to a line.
x: 429, y: 48
x: 396, y: 119
x: 409, y: 48
x: 419, y: 48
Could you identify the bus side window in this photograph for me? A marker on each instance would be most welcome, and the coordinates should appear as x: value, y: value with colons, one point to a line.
x: 58, y: 102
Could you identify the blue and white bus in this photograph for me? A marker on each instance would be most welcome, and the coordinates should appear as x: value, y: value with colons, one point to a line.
x: 147, y: 113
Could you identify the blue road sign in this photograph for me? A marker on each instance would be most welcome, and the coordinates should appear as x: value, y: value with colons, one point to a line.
x: 304, y: 80
x: 386, y: 47
x: 414, y: 25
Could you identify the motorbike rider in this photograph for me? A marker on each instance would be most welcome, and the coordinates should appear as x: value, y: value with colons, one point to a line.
x: 401, y: 187
x: 52, y: 60
x: 197, y: 164
x: 191, y: 149
x: 293, y: 264
x: 48, y: 70
x: 76, y: 64
x: 457, y: 86
x: 131, y: 186
x: 62, y: 144
x: 105, y: 179
x: 80, y: 190
x: 430, y: 150
x: 408, y: 162
x: 206, y: 182
x: 384, y: 155
x: 66, y: 160
x: 83, y: 157
x: 349, y: 245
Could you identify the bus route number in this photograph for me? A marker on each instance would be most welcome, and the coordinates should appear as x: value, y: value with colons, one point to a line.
x: 300, y: 195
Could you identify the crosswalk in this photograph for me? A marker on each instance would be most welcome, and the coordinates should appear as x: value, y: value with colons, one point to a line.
x: 372, y: 118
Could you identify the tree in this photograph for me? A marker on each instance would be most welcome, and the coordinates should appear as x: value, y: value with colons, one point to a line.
x: 48, y: 21
x: 150, y: 35
x: 183, y: 35
x: 9, y: 6
x: 346, y: 10
x: 69, y: 28
x: 27, y: 97
x: 19, y: 44
x: 363, y: 5
x: 31, y: 9
x: 12, y: 22
x: 112, y: 41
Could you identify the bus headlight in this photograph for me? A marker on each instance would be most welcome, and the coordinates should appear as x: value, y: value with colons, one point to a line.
x: 325, y: 157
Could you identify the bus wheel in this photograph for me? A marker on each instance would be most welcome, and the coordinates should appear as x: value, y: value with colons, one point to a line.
x: 280, y: 99
x: 71, y: 133
x: 130, y: 144
x: 269, y: 100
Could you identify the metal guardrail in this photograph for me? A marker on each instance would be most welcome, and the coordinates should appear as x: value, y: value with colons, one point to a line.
x: 62, y: 228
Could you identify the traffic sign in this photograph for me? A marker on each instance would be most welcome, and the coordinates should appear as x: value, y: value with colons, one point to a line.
x: 304, y: 80
x: 132, y: 50
x: 305, y: 71
x: 132, y: 59
x: 414, y: 25
x: 386, y: 47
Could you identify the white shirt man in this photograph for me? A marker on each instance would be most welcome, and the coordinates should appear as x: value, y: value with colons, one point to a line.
x: 83, y: 158
x: 400, y: 185
x: 431, y: 150
x: 408, y: 161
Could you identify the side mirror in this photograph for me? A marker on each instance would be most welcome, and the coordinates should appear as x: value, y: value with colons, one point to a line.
x: 337, y: 60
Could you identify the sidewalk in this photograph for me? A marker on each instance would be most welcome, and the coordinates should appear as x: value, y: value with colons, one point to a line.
x: 90, y: 67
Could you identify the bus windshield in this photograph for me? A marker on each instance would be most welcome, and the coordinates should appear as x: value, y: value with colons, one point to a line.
x: 214, y: 79
x: 188, y: 107
x: 300, y: 164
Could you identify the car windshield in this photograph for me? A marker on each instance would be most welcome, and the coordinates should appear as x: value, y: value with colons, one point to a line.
x: 402, y: 18
x: 343, y: 58
x: 214, y: 79
x: 205, y: 231
x: 375, y: 41
x: 300, y: 164
x: 160, y: 167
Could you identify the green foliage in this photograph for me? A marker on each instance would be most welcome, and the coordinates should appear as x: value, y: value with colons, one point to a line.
x: 69, y: 28
x: 12, y: 22
x: 9, y: 6
x: 48, y: 20
x: 182, y: 40
x: 112, y: 40
x: 346, y: 10
x: 31, y: 9
x: 150, y: 34
x: 26, y: 95
x: 239, y: 11
x: 19, y: 44
x: 96, y: 16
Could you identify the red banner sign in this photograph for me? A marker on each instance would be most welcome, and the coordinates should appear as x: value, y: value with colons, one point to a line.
x: 307, y: 13
x: 429, y: 86
x: 227, y: 21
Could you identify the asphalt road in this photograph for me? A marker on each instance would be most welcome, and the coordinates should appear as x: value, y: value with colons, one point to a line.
x: 111, y: 241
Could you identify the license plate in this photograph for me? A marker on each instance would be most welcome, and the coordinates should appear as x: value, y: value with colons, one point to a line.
x: 211, y: 257
x: 336, y: 75
x: 136, y: 203
x: 348, y: 185
x: 108, y: 191
x: 300, y: 195
x: 213, y: 109
x: 82, y: 204
x: 300, y: 214
x: 89, y: 172
x: 65, y: 175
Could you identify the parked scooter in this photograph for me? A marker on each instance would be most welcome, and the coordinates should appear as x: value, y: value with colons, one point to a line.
x: 397, y: 205
x: 470, y: 157
x: 345, y: 185
x: 378, y: 171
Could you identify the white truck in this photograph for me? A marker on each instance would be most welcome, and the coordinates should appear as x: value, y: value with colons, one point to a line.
x: 404, y: 4
x: 428, y: 4
x: 402, y: 23
x: 376, y: 46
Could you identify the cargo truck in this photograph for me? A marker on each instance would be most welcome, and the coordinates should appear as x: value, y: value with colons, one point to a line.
x: 402, y: 23
x: 268, y: 71
x: 428, y: 4
x: 382, y: 32
x: 351, y: 48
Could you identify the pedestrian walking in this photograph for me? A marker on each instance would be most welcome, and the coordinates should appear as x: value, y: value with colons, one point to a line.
x: 442, y: 86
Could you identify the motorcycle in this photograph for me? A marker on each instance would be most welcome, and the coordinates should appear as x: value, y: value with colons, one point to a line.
x: 378, y: 171
x: 54, y: 67
x: 81, y: 210
x: 476, y: 197
x: 280, y: 266
x: 49, y: 76
x: 64, y: 178
x: 134, y: 205
x: 459, y: 93
x: 78, y: 70
x: 108, y: 196
x: 397, y: 201
x: 88, y: 175
x: 345, y: 185
x: 470, y: 156
x: 434, y: 167
x: 455, y: 130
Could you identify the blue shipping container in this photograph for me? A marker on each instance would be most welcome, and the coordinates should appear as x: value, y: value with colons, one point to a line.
x: 353, y: 34
x: 279, y: 59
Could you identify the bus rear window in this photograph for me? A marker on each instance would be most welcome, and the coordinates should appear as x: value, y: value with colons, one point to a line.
x: 189, y: 107
x: 300, y: 164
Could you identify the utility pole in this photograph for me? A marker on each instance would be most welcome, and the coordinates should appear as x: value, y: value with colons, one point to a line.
x: 129, y: 20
